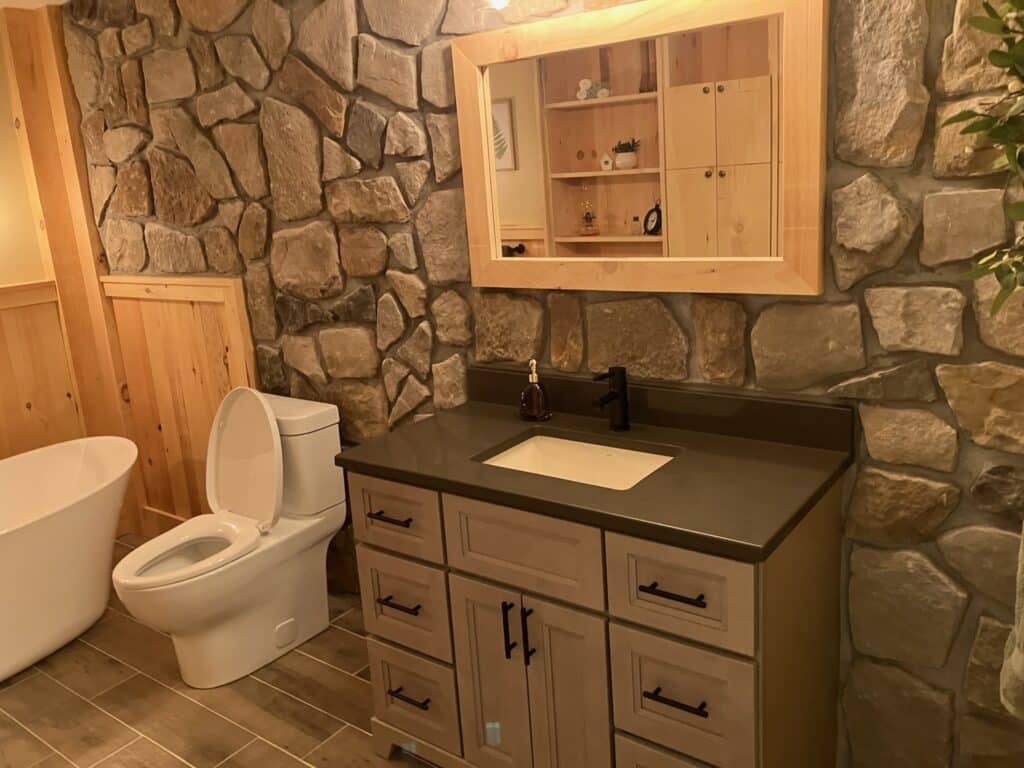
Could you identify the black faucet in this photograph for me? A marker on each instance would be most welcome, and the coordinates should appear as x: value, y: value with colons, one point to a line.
x: 617, y: 396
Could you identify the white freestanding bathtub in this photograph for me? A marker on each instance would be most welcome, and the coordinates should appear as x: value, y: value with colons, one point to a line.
x: 59, y: 507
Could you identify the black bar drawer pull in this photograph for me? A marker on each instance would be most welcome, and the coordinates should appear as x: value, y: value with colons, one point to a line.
x: 389, y: 602
x: 701, y: 710
x: 509, y: 643
x: 652, y: 589
x: 380, y: 517
x: 524, y: 614
x: 396, y: 693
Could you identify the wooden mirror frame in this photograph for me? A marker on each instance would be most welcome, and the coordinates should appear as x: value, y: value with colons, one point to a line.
x: 798, y: 270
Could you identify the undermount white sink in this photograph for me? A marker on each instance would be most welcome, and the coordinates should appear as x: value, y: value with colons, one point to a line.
x: 601, y: 465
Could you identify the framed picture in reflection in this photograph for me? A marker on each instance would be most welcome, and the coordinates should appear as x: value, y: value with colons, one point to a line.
x: 505, y: 151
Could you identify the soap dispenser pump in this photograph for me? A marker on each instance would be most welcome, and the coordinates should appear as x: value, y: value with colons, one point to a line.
x: 533, y: 403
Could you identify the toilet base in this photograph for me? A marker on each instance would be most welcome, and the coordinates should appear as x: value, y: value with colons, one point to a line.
x: 289, y: 609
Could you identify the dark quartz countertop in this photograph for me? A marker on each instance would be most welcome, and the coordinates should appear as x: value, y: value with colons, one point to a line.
x: 722, y: 494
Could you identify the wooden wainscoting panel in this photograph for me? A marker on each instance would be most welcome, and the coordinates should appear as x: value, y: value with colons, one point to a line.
x: 38, y: 396
x: 186, y: 343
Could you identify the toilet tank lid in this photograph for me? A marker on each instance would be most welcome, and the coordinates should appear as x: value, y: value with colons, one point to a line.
x: 298, y: 417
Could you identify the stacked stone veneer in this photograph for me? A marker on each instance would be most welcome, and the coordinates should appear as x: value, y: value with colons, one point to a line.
x: 312, y: 148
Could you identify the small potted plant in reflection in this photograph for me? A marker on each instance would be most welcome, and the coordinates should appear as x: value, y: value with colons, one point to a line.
x: 625, y: 154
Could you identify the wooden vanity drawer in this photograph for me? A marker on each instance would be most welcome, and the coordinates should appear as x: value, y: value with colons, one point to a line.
x: 405, y: 602
x: 708, y: 599
x: 396, y: 516
x: 630, y: 753
x: 694, y: 701
x: 415, y: 695
x: 533, y: 552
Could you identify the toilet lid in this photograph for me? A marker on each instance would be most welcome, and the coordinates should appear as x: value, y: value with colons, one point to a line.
x: 244, y: 468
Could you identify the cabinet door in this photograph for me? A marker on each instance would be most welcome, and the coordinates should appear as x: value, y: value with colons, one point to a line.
x: 691, y: 214
x: 569, y: 711
x: 690, y: 126
x: 492, y: 688
x: 744, y: 211
x: 744, y: 120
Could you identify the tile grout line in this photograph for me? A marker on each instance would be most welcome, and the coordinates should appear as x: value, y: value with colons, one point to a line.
x: 307, y: 703
x: 331, y: 666
x: 116, y: 751
x: 336, y: 733
x: 240, y: 749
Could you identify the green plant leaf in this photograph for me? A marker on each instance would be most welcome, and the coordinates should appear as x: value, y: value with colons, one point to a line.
x: 1015, y: 211
x: 981, y: 125
x: 987, y: 24
x: 1000, y: 299
x: 1002, y: 59
x: 962, y: 117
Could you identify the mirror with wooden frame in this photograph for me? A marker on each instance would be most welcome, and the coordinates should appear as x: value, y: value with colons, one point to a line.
x: 665, y: 145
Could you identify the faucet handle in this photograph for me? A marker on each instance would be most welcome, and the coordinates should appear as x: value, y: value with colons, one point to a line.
x: 604, y: 376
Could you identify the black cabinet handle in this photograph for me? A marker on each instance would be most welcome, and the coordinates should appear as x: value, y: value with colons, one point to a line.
x: 509, y: 643
x: 388, y: 602
x: 652, y: 589
x: 380, y: 517
x: 396, y: 693
x: 524, y: 614
x: 701, y: 710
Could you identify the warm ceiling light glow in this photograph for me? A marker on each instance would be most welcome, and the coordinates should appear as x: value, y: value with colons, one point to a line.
x: 499, y: 5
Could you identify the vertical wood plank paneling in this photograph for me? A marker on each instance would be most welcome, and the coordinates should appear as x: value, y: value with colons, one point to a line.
x: 186, y: 344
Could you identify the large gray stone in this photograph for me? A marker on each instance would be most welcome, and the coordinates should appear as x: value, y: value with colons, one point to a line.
x: 1002, y: 330
x: 161, y: 13
x: 720, y: 330
x: 229, y: 214
x: 304, y: 261
x: 122, y: 143
x: 357, y: 306
x: 508, y: 327
x: 444, y: 144
x: 136, y: 109
x: 412, y: 177
x: 799, y: 345
x: 111, y: 99
x: 300, y: 354
x: 211, y: 16
x: 640, y: 334
x: 895, y: 720
x: 327, y: 38
x: 965, y: 65
x: 252, y: 232
x: 466, y: 16
x: 984, y: 744
x: 918, y: 319
x: 405, y: 136
x: 902, y: 607
x: 179, y: 131
x: 137, y: 37
x: 270, y: 365
x: 272, y: 28
x: 981, y: 682
x: 350, y: 352
x: 364, y: 251
x: 894, y: 509
x: 169, y: 75
x: 240, y: 143
x: 999, y: 490
x: 450, y: 388
x: 389, y: 71
x: 986, y: 558
x: 304, y: 86
x: 871, y: 229
x: 338, y: 164
x: 909, y: 436
x: 988, y: 401
x: 413, y: 393
x: 102, y: 179
x: 93, y: 126
x: 179, y: 197
x: 378, y: 200
x: 124, y: 245
x: 960, y: 223
x: 402, y: 251
x: 132, y: 196
x: 413, y: 24
x: 227, y: 103
x: 83, y: 64
x: 436, y: 78
x: 452, y: 315
x: 221, y: 251
x: 417, y: 349
x: 208, y: 68
x: 881, y: 98
x: 109, y: 44
x: 906, y: 381
x: 296, y: 315
x: 565, y: 317
x: 292, y: 145
x: 259, y: 295
x: 441, y: 229
x: 390, y: 321
x: 411, y: 291
x: 393, y: 372
x: 366, y: 128
x: 173, y: 251
x: 958, y: 155
x: 363, y: 408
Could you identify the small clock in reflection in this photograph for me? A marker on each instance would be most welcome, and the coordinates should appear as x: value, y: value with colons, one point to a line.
x: 652, y: 221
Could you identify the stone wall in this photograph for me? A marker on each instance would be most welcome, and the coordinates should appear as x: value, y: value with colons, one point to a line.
x: 312, y: 147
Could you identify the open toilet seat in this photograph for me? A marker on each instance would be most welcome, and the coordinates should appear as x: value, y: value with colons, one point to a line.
x: 244, y: 486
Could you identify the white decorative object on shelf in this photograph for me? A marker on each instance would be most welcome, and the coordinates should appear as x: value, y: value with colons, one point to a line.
x: 626, y: 161
x: 607, y: 163
x: 604, y: 93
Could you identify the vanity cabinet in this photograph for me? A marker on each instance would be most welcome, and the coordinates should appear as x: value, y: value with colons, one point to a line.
x: 539, y: 642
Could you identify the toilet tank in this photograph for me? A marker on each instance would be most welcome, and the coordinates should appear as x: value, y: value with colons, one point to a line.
x: 309, y: 443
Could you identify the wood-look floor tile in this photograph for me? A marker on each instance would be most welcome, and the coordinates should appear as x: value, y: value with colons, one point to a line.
x: 17, y: 678
x: 276, y: 716
x: 259, y: 754
x: 137, y: 646
x: 84, y: 670
x: 132, y: 540
x: 142, y: 754
x: 352, y: 748
x: 18, y: 747
x: 191, y: 732
x: 352, y: 621
x: 339, y: 648
x: 54, y: 761
x: 120, y: 552
x: 341, y: 603
x: 71, y: 725
x: 344, y: 696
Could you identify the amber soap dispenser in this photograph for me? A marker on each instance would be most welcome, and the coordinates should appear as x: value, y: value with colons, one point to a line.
x: 533, y: 402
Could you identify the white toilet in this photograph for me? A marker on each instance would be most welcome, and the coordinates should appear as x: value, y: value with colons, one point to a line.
x: 238, y: 588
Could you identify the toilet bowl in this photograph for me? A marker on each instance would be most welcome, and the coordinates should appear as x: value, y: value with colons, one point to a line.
x: 237, y: 588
